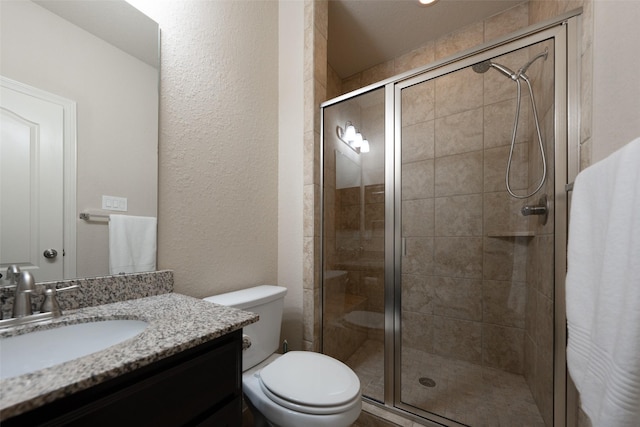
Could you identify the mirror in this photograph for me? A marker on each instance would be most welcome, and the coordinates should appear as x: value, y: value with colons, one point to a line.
x: 348, y: 172
x: 104, y: 57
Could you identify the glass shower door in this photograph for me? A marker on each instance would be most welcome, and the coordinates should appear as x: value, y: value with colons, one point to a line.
x: 476, y: 312
x: 353, y: 243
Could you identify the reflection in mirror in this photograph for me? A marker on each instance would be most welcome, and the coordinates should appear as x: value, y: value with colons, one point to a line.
x: 86, y: 52
x: 348, y: 172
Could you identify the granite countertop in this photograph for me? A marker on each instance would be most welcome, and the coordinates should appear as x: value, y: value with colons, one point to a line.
x: 176, y: 323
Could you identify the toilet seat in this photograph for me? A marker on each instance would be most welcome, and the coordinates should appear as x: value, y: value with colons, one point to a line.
x: 311, y: 383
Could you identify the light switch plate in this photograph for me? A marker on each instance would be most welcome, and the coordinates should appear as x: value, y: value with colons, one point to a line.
x: 112, y: 203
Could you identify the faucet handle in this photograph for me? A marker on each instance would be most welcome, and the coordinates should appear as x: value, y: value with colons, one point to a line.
x: 50, y: 302
x: 13, y: 272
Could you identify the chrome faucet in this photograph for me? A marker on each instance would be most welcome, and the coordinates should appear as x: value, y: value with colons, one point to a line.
x: 25, y: 286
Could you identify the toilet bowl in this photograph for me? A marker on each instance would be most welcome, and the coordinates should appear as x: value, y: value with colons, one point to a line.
x: 298, y: 388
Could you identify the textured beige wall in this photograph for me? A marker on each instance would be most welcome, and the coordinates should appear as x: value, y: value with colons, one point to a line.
x: 218, y: 151
x: 290, y: 170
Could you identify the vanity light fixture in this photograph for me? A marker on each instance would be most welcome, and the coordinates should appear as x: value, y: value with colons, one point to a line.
x: 354, y: 139
x: 427, y: 2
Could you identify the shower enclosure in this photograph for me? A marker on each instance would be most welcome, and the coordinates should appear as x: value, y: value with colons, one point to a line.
x: 442, y: 289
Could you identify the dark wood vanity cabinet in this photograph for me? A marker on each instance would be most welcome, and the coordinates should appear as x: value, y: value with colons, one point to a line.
x: 201, y: 386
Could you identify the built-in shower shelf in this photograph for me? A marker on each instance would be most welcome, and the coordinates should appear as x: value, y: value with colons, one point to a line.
x: 511, y: 234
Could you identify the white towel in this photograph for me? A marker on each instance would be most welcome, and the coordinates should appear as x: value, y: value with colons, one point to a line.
x: 603, y: 289
x: 132, y: 244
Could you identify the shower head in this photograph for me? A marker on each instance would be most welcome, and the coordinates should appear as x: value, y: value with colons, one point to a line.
x: 483, y: 67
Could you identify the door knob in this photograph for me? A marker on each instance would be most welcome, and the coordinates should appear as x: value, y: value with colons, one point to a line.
x: 50, y: 253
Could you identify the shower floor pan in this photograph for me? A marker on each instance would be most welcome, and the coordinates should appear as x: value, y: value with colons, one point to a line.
x: 464, y: 392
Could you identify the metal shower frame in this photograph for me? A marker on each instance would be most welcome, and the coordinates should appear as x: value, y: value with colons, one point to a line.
x: 565, y: 30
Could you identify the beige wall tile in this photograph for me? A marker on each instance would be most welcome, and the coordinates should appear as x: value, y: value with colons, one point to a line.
x: 497, y: 86
x: 334, y: 83
x: 377, y: 73
x: 459, y: 339
x: 457, y: 298
x: 531, y: 308
x: 320, y: 57
x: 544, y: 320
x: 418, y: 103
x: 458, y: 174
x: 417, y: 293
x: 308, y: 315
x: 416, y: 58
x: 506, y: 22
x: 418, y: 141
x: 499, y: 119
x: 495, y: 166
x: 309, y: 107
x: 419, y: 257
x: 458, y: 215
x: 311, y: 155
x: 529, y: 362
x: 418, y: 218
x: 505, y: 258
x: 418, y: 331
x: 502, y: 214
x: 458, y: 257
x: 459, y: 40
x: 502, y: 347
x: 352, y: 83
x: 544, y: 278
x: 417, y: 180
x: 504, y: 302
x: 310, y: 209
x: 459, y: 133
x: 321, y: 17
x: 457, y: 92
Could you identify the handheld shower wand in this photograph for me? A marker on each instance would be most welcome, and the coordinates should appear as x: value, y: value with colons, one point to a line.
x: 483, y: 67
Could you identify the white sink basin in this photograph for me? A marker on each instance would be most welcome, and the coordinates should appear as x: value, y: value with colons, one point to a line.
x: 42, y: 349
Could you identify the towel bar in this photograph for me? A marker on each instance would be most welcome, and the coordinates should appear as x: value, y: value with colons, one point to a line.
x: 93, y: 217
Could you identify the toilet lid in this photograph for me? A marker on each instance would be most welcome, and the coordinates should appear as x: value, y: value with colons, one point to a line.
x: 310, y: 379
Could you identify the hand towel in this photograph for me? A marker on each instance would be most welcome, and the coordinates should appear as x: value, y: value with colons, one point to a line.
x: 132, y: 244
x: 603, y: 289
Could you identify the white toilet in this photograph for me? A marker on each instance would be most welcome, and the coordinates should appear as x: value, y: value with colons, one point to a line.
x: 298, y: 388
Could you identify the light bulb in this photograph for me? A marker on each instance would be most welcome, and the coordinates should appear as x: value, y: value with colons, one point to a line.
x: 349, y: 133
x: 357, y: 142
x: 365, y: 146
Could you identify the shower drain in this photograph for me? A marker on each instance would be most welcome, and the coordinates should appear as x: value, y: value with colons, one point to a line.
x: 427, y: 382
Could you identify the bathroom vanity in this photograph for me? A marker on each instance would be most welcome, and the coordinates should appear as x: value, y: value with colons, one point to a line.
x: 184, y: 368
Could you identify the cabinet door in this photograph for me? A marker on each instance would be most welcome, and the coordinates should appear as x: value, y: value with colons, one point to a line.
x: 192, y: 388
x: 226, y: 416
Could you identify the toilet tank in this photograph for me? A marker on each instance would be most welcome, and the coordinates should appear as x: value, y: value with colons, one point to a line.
x: 266, y: 301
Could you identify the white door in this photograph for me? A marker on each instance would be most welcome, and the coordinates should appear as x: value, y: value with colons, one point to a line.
x: 31, y: 184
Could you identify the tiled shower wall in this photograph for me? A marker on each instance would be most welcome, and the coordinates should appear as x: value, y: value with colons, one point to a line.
x: 322, y: 83
x: 465, y: 253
